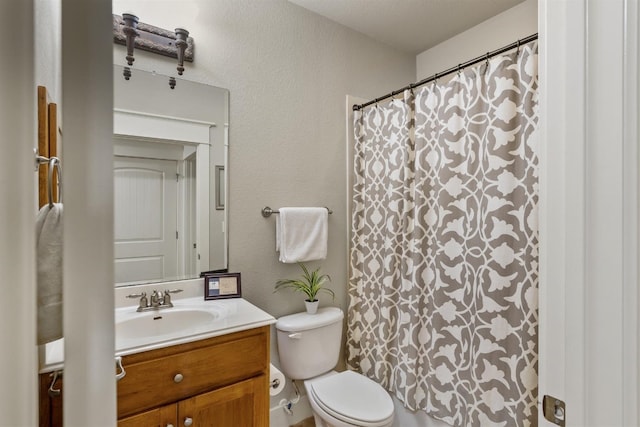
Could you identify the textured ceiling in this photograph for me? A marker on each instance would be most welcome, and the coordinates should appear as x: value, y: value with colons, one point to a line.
x: 412, y: 26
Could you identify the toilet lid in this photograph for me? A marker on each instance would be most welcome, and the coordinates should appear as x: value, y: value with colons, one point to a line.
x: 353, y: 398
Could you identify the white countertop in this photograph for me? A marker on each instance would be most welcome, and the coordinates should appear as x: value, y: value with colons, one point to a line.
x: 233, y: 315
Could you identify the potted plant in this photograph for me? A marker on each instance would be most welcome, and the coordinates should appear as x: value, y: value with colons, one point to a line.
x: 310, y: 284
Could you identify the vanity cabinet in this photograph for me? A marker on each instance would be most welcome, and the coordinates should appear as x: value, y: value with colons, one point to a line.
x: 159, y: 417
x: 234, y: 405
x: 221, y: 381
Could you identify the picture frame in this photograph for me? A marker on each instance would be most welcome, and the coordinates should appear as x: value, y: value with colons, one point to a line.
x: 220, y: 187
x: 222, y: 286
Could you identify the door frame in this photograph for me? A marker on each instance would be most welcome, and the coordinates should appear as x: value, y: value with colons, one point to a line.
x: 589, y: 210
x: 553, y: 348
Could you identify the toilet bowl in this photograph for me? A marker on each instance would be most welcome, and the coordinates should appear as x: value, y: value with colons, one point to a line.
x: 348, y: 399
x: 309, y: 348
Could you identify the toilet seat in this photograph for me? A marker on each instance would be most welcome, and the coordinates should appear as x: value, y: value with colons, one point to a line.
x: 353, y: 399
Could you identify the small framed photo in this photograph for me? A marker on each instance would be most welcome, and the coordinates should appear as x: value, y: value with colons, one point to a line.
x: 222, y: 285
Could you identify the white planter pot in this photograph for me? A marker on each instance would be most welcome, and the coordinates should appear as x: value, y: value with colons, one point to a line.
x: 312, y: 306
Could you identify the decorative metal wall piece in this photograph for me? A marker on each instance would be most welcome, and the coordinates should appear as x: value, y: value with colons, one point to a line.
x: 152, y: 39
x: 130, y: 32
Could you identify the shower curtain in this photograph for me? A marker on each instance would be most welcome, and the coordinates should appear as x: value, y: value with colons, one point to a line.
x: 444, y: 245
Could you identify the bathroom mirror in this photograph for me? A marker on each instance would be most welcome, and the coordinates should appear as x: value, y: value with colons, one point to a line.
x: 170, y: 186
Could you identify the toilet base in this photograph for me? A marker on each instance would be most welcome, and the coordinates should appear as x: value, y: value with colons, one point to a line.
x: 324, y: 423
x: 319, y: 421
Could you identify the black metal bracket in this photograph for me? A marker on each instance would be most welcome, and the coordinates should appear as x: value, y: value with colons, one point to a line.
x: 152, y: 39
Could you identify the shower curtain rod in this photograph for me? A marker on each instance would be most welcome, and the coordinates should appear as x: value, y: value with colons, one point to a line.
x: 460, y: 67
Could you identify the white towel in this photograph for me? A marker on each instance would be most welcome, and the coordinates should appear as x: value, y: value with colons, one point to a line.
x: 301, y: 234
x: 49, y: 259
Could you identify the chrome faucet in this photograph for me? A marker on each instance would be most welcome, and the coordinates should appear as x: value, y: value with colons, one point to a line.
x: 157, y: 301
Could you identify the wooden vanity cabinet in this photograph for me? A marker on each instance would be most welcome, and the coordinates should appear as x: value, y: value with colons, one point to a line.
x: 234, y: 405
x: 159, y: 417
x: 221, y: 381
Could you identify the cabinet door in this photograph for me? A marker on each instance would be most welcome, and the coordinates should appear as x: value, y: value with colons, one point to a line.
x: 165, y: 416
x: 243, y: 404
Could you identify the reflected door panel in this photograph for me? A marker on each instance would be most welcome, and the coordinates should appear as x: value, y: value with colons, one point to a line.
x: 146, y: 197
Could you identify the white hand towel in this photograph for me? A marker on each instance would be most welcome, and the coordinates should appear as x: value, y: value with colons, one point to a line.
x: 301, y: 234
x: 49, y: 259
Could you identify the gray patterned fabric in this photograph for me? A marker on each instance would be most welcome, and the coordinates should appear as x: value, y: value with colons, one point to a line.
x: 444, y: 246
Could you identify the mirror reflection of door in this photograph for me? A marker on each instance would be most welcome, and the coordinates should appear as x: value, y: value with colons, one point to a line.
x: 146, y: 220
x: 189, y: 206
x: 189, y: 125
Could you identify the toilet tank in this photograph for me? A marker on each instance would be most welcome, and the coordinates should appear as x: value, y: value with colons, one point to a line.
x: 309, y: 344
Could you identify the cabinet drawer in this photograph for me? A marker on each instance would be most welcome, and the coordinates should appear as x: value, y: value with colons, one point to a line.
x: 154, y: 382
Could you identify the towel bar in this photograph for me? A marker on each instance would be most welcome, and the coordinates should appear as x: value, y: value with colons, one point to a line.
x: 267, y: 211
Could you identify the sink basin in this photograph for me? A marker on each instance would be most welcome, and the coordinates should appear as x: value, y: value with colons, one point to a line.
x: 191, y: 319
x: 170, y: 321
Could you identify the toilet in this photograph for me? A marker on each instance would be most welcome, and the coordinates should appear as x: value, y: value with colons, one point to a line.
x: 309, y: 347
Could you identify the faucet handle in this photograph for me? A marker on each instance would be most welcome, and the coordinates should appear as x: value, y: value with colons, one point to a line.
x: 140, y: 295
x: 143, y: 300
x: 167, y: 296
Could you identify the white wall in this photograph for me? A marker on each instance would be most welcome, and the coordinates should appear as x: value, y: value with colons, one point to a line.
x: 48, y: 47
x: 87, y: 108
x: 288, y: 71
x: 18, y: 357
x: 513, y: 24
x: 34, y: 31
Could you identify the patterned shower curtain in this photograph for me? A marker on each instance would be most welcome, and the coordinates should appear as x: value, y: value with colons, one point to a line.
x: 444, y: 246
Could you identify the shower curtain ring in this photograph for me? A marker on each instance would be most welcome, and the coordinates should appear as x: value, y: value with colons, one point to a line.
x: 435, y: 79
x: 517, y: 48
x: 459, y: 68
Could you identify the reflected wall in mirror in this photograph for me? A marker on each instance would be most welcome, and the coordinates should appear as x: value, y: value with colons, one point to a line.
x: 170, y: 146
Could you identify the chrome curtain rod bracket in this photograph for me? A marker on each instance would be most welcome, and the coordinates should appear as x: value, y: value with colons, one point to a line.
x: 267, y: 211
x: 517, y: 44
